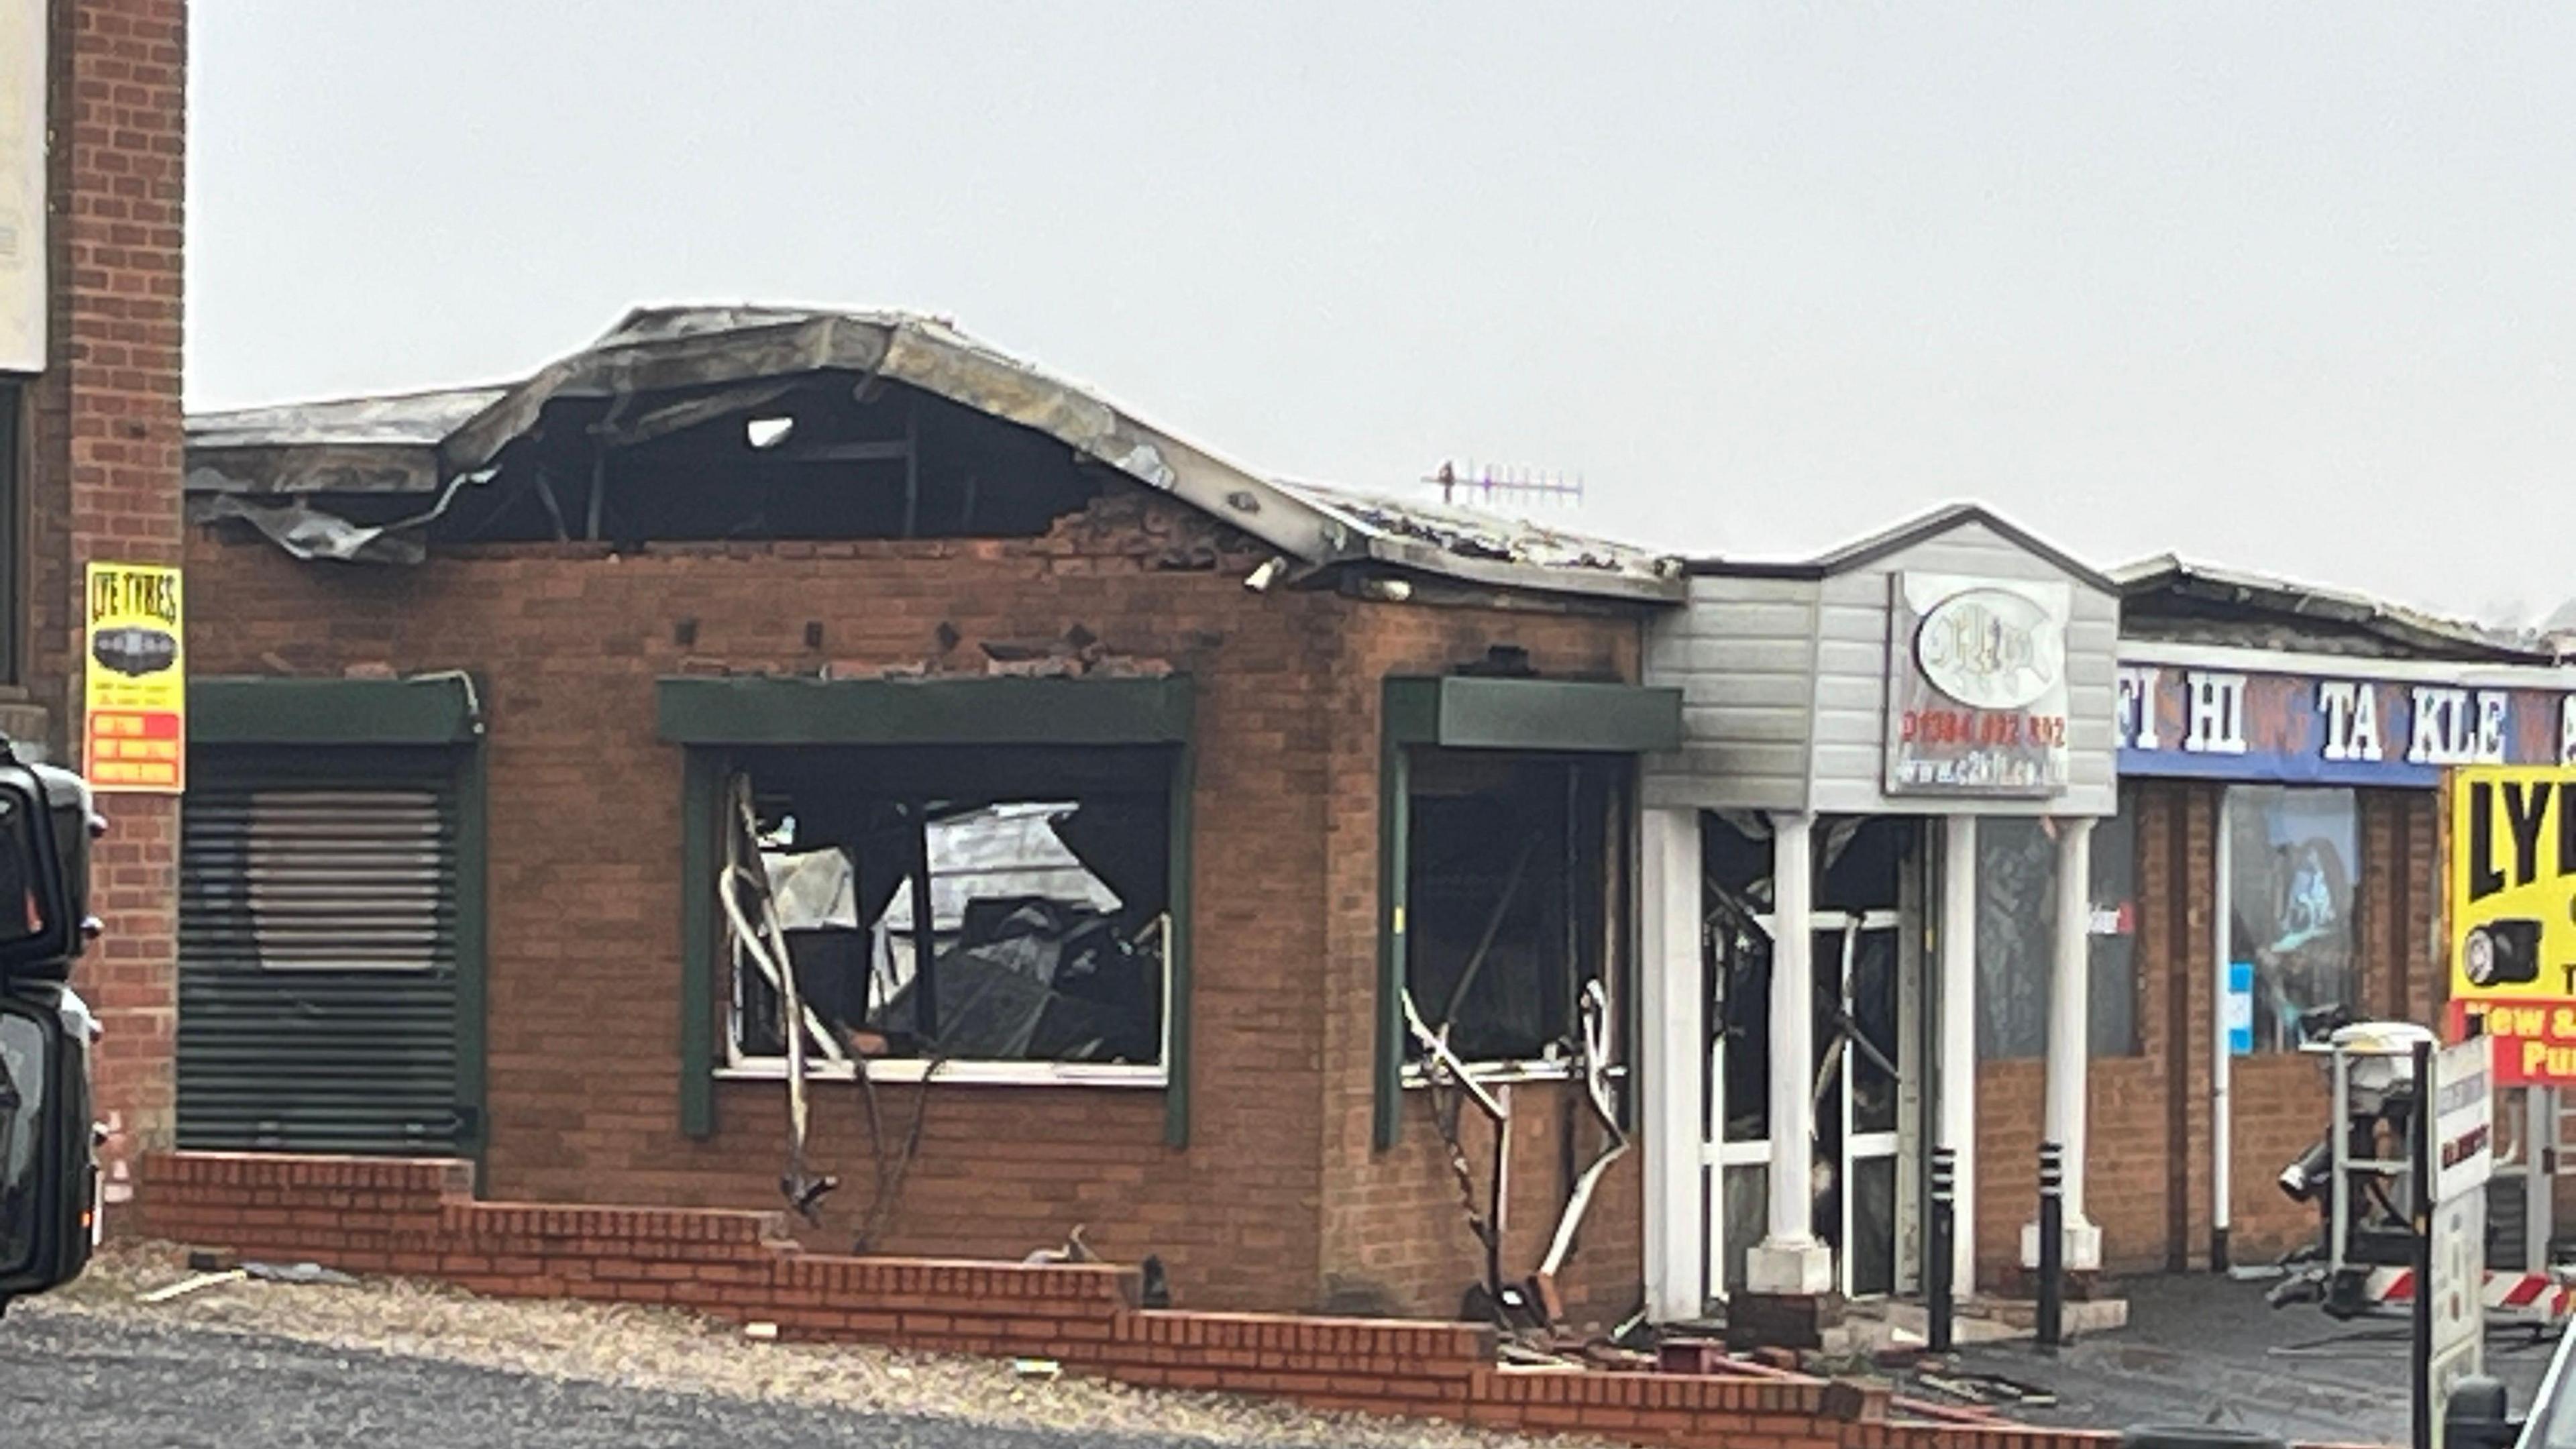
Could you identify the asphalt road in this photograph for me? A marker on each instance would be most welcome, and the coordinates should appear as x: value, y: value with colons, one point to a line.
x: 69, y: 1380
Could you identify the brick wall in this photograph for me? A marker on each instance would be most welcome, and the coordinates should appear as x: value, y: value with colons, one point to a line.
x: 1275, y: 1204
x: 1280, y: 1201
x: 1395, y: 1237
x: 2149, y: 1176
x: 418, y: 1217
x: 105, y: 480
x: 2142, y: 1154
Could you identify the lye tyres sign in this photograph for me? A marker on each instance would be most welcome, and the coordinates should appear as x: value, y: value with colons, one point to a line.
x: 2511, y: 884
x: 1976, y: 686
x: 135, y: 694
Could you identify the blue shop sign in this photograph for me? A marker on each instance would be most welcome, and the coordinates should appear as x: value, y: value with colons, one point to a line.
x: 2313, y: 729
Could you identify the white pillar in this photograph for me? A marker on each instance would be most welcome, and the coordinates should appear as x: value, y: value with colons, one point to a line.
x: 2069, y: 980
x: 1673, y: 1066
x: 1957, y: 1071
x: 1789, y: 1260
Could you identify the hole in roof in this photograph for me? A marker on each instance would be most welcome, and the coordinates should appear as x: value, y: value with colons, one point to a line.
x: 811, y: 462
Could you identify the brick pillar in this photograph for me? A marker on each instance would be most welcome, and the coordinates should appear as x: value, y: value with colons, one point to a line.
x: 105, y: 486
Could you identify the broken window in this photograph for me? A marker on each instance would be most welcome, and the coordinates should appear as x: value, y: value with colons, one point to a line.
x: 953, y: 905
x: 826, y: 455
x: 1511, y: 899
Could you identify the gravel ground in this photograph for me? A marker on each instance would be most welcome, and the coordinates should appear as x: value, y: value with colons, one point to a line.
x: 391, y: 1364
x: 75, y: 1380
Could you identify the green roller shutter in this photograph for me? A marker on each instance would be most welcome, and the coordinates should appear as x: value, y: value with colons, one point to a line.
x: 318, y: 953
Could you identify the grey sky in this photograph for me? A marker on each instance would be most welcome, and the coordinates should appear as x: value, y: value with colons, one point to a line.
x: 2288, y: 290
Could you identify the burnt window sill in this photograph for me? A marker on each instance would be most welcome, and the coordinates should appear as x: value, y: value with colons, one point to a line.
x: 1497, y: 1074
x: 964, y: 1074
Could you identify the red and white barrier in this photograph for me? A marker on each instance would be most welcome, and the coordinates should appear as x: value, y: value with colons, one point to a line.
x: 2516, y: 1297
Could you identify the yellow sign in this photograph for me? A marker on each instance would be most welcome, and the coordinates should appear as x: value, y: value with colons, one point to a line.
x: 135, y: 706
x: 2512, y: 857
x: 2512, y: 891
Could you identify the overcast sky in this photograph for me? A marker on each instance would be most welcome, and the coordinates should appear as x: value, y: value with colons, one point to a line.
x: 2290, y: 291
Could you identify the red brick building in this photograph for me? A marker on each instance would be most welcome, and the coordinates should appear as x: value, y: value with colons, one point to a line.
x: 90, y: 447
x: 483, y: 680
x: 1142, y: 836
x: 1179, y: 765
x: 2282, y: 750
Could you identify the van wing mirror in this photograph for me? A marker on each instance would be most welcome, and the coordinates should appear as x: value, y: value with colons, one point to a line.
x: 48, y: 1153
x: 46, y: 823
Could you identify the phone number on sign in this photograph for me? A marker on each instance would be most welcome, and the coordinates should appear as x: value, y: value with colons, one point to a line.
x: 1976, y: 727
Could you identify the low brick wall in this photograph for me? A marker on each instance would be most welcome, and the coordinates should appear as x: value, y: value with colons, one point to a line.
x: 419, y: 1218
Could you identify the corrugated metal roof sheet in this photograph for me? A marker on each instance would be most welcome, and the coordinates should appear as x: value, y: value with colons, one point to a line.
x: 414, y: 419
x: 417, y: 442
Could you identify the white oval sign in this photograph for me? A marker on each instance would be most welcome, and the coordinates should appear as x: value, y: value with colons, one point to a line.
x: 1990, y: 649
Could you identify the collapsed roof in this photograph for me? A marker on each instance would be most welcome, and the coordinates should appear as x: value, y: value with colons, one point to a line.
x: 364, y: 479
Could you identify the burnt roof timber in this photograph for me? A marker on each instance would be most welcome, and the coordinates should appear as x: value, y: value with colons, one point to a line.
x: 676, y: 348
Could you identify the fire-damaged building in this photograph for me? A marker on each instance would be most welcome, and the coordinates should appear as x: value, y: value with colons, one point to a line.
x: 1116, y: 850
x: 810, y: 759
x: 1892, y: 754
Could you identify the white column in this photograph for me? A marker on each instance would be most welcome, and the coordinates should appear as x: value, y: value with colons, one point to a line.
x: 2069, y: 979
x: 1671, y: 988
x: 1957, y: 1069
x: 1789, y: 1260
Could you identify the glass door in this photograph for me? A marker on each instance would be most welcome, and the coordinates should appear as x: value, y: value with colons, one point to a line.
x: 1852, y: 1085
x: 1854, y: 1080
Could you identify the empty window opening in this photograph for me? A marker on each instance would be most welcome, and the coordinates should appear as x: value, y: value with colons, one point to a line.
x: 1510, y: 898
x: 826, y: 456
x: 960, y: 905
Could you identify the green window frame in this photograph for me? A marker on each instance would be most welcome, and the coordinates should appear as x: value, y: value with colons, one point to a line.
x: 712, y: 718
x: 1475, y: 713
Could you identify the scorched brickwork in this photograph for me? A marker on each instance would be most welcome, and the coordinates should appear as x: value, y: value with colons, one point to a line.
x: 1277, y: 1201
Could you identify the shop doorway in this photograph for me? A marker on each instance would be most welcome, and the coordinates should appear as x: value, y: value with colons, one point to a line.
x: 1861, y: 1080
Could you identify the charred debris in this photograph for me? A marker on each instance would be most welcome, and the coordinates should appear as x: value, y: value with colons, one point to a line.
x: 921, y: 908
x: 722, y: 424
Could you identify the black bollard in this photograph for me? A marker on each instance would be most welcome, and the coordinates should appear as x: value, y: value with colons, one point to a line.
x: 1937, y: 1287
x: 2052, y: 1247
